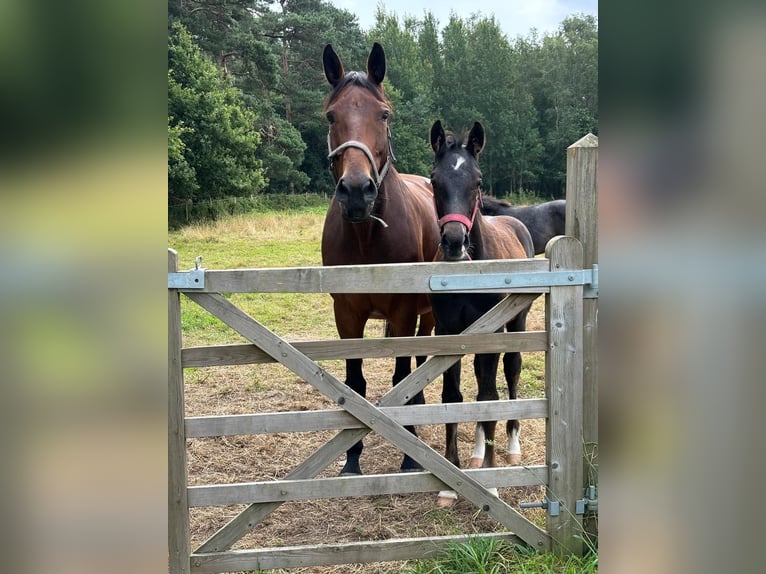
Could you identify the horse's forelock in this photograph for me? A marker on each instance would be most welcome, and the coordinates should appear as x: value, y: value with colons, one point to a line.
x: 357, y: 79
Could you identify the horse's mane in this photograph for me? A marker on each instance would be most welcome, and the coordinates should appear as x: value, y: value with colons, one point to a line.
x: 357, y: 79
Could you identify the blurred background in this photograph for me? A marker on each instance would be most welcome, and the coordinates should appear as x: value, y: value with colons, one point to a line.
x: 83, y: 222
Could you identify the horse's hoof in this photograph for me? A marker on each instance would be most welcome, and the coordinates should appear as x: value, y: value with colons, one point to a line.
x: 446, y: 499
x: 347, y: 473
x: 475, y: 462
x: 513, y: 459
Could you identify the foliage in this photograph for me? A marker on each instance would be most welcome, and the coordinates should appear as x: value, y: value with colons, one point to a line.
x: 211, y: 138
x: 490, y: 556
x: 535, y: 95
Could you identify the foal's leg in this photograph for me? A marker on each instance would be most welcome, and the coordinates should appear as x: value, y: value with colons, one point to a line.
x: 512, y: 368
x: 450, y: 394
x: 485, y: 368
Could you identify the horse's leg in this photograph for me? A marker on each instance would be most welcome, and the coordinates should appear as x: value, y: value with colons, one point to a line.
x: 425, y: 327
x: 450, y: 394
x: 351, y: 325
x: 404, y: 326
x: 512, y: 368
x: 485, y: 369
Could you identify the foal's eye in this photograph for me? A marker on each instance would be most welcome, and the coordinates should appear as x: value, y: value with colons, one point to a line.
x: 330, y: 117
x: 385, y: 115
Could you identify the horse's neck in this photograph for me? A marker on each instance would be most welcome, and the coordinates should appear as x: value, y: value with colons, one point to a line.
x: 477, y: 237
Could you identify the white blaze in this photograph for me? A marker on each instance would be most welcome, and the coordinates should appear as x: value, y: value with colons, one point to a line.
x: 458, y: 162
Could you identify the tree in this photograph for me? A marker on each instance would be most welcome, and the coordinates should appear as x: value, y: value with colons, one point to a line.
x: 212, y: 141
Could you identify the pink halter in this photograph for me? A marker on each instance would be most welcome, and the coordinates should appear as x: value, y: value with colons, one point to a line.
x: 461, y: 218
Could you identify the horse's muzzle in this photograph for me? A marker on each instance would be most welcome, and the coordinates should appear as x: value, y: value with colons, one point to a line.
x: 454, y: 243
x: 356, y: 199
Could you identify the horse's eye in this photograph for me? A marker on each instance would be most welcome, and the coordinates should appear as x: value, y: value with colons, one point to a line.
x: 330, y: 117
x: 385, y: 115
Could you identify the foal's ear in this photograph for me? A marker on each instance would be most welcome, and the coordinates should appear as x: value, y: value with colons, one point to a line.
x: 475, y: 140
x: 333, y: 67
x: 437, y: 136
x: 376, y: 64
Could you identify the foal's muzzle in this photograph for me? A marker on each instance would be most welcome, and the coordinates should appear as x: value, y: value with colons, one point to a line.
x: 454, y: 242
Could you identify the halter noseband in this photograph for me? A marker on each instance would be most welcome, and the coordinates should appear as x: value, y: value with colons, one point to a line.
x: 459, y: 217
x: 379, y: 175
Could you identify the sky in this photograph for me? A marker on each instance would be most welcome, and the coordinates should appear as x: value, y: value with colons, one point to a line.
x: 515, y: 17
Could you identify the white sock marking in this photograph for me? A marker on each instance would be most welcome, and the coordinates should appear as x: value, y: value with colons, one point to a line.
x: 514, y: 446
x: 479, y: 444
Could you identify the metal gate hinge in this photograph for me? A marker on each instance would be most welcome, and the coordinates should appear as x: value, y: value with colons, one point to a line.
x: 589, y: 503
x: 192, y: 279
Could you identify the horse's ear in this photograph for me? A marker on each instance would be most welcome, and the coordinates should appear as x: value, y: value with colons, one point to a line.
x: 475, y: 140
x: 333, y: 67
x: 437, y: 136
x: 376, y: 64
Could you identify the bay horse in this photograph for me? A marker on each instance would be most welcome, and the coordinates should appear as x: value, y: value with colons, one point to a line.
x: 467, y: 234
x: 544, y: 220
x: 377, y: 215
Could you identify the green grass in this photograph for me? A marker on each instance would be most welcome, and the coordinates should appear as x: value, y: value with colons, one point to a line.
x: 490, y: 556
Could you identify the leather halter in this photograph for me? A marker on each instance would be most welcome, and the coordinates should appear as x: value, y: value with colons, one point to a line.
x: 459, y: 217
x: 379, y: 175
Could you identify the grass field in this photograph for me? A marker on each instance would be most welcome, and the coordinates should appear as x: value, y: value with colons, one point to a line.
x: 293, y: 239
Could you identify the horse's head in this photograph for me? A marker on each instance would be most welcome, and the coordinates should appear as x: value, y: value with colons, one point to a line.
x: 359, y: 140
x: 456, y: 181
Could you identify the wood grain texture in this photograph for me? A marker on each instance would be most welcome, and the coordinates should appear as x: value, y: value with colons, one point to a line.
x: 304, y: 421
x: 384, y: 278
x: 346, y: 486
x: 563, y: 387
x: 328, y: 554
x: 178, y: 511
x: 239, y: 354
x: 582, y: 223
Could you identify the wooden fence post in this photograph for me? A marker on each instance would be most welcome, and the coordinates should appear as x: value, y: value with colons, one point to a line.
x: 563, y: 389
x: 178, y: 512
x: 582, y: 223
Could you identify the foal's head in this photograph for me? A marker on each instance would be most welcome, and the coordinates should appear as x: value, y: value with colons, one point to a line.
x: 456, y: 181
x: 359, y: 138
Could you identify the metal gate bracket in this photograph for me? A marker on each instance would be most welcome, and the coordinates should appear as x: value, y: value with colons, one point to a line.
x: 553, y: 506
x: 589, y: 503
x: 588, y: 278
x: 192, y: 279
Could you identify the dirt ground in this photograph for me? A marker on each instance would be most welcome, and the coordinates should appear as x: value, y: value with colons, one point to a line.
x: 272, y: 388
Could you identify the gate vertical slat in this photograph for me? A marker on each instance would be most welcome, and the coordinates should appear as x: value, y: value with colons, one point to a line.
x: 582, y: 223
x: 179, y: 545
x: 563, y: 388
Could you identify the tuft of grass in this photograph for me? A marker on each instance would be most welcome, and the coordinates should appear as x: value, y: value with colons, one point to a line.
x: 491, y: 556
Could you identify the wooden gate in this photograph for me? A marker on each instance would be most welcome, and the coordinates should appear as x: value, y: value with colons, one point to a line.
x: 560, y: 277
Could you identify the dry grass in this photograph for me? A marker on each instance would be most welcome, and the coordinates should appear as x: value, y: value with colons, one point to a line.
x: 271, y: 388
